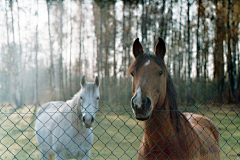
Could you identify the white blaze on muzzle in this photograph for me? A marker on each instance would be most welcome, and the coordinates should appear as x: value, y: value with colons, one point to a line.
x: 138, y: 98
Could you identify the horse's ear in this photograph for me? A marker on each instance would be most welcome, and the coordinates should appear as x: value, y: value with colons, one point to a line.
x: 97, y: 83
x: 83, y: 81
x: 137, y: 48
x: 160, y: 48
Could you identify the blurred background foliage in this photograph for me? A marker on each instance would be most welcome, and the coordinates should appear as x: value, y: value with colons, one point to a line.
x: 47, y: 46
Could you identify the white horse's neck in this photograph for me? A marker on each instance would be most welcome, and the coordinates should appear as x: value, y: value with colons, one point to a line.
x: 75, y: 111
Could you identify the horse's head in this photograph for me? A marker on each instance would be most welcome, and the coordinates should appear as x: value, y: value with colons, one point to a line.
x: 89, y: 97
x: 149, y: 76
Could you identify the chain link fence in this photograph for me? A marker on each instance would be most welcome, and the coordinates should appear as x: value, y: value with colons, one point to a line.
x: 117, y: 134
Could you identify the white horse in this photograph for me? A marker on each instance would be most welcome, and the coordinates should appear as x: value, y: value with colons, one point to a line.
x: 63, y: 129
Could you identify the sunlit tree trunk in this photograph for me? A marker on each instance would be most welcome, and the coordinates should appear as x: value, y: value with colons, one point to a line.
x: 8, y: 60
x: 20, y: 75
x: 61, y: 84
x: 16, y: 68
x: 97, y: 12
x: 168, y: 25
x: 36, y: 100
x: 107, y: 37
x: 124, y: 37
x: 114, y: 43
x: 79, y: 61
x: 129, y: 35
x: 101, y: 39
x: 52, y: 74
x: 70, y: 56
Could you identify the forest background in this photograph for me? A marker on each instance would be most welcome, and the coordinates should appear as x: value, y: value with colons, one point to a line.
x: 46, y: 46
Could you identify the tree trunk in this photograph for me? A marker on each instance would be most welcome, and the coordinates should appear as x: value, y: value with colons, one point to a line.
x: 70, y: 58
x: 234, y: 31
x: 205, y: 56
x: 198, y: 48
x: 20, y: 61
x: 52, y: 75
x: 101, y: 40
x: 180, y: 50
x: 114, y: 43
x: 229, y: 57
x: 79, y: 70
x: 218, y: 50
x: 16, y: 61
x: 124, y: 35
x: 189, y: 55
x: 9, y: 61
x: 162, y: 26
x: 129, y: 35
x: 36, y: 100
x: 143, y: 26
x: 61, y: 77
x: 107, y: 38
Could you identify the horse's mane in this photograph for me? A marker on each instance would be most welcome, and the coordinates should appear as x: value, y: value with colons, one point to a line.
x: 74, y: 101
x: 74, y: 104
x: 175, y: 115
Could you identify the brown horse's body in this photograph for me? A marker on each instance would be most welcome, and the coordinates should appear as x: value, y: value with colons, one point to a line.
x: 196, y: 139
x: 168, y: 134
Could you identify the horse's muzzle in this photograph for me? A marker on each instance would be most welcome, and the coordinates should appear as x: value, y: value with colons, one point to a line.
x: 141, y: 108
x: 88, y: 121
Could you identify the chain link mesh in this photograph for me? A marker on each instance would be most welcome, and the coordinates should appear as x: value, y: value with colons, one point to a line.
x: 117, y: 135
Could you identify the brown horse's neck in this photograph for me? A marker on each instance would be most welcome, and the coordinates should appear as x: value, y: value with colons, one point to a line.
x: 162, y: 139
x: 165, y: 132
x: 161, y: 123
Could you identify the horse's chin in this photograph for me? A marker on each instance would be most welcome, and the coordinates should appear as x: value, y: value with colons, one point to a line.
x: 142, y: 119
x: 142, y: 115
x: 88, y: 126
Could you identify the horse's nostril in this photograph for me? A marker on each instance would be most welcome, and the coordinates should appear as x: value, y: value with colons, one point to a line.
x: 147, y: 103
x: 83, y: 118
x: 133, y: 104
x: 144, y: 101
x: 92, y: 119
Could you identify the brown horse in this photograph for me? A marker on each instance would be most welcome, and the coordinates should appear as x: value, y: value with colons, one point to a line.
x: 168, y: 134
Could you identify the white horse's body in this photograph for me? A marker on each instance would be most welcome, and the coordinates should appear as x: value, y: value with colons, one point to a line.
x: 63, y: 129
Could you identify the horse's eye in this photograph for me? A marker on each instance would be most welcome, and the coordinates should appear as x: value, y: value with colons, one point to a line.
x: 132, y: 74
x: 97, y: 98
x: 160, y: 73
x: 81, y: 97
